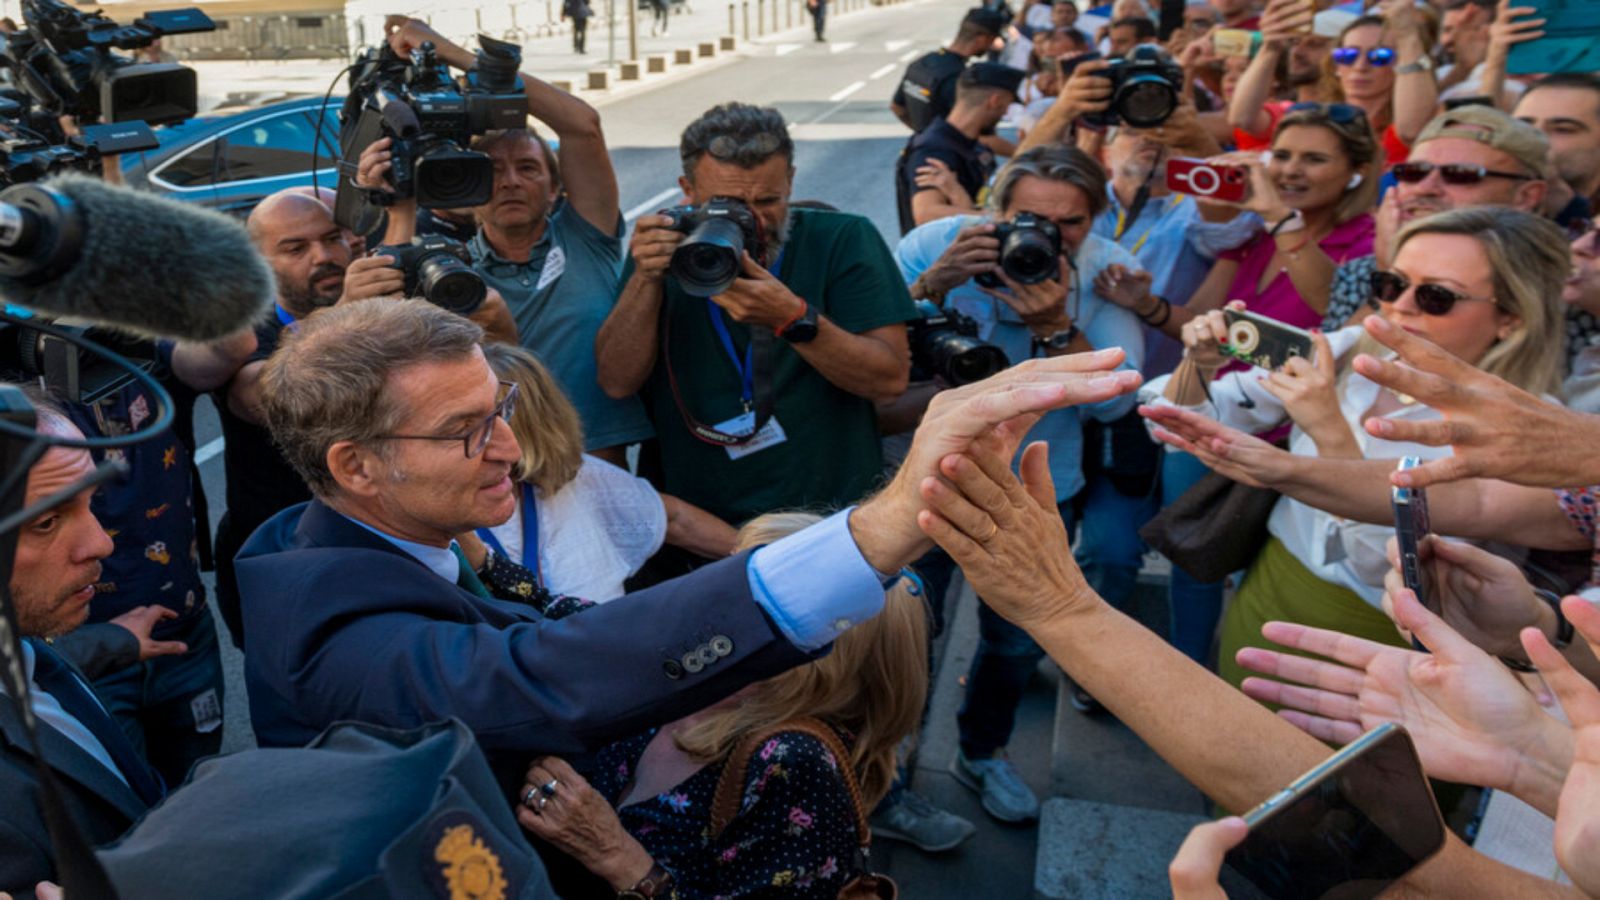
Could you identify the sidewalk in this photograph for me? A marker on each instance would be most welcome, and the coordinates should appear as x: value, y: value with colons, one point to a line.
x: 698, y: 34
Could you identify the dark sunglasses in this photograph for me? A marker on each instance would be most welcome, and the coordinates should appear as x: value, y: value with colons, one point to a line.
x: 1377, y: 56
x: 1432, y: 299
x: 1338, y: 113
x: 1451, y: 173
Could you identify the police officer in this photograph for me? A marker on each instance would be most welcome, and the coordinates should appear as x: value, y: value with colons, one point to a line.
x: 983, y: 92
x: 928, y: 89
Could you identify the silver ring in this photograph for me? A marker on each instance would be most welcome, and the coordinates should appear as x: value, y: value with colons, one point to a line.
x: 549, y: 788
x: 542, y: 801
x: 528, y: 798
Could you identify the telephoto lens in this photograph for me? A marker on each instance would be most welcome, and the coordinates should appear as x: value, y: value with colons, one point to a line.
x: 1031, y: 251
x: 945, y: 344
x: 440, y: 270
x: 711, y: 255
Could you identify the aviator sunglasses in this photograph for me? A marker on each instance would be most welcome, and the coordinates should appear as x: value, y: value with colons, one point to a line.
x: 1377, y: 56
x: 1432, y: 299
x: 1450, y: 173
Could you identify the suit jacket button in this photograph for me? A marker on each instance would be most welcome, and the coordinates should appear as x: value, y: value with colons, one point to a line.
x: 707, y: 655
x: 692, y: 663
x: 673, y: 669
x: 722, y: 645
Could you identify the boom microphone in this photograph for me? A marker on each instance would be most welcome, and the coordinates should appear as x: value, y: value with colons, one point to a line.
x: 73, y: 246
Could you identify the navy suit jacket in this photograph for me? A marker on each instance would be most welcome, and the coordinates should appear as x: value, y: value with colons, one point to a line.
x: 101, y: 803
x: 345, y: 625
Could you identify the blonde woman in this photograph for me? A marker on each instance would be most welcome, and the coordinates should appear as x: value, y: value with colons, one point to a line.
x: 648, y: 809
x: 1481, y: 283
x: 582, y: 525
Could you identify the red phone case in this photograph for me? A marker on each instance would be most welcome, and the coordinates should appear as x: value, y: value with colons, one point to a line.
x: 1199, y: 178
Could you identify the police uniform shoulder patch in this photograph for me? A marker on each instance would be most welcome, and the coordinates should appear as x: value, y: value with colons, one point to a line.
x: 467, y: 868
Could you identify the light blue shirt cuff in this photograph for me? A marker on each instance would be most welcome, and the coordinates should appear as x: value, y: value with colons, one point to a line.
x: 815, y: 584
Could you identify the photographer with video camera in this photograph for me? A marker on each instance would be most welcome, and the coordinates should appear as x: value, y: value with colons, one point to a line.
x: 781, y: 327
x: 548, y: 252
x: 1027, y: 276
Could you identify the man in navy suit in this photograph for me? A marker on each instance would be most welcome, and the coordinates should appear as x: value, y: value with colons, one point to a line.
x: 359, y: 605
x: 103, y: 780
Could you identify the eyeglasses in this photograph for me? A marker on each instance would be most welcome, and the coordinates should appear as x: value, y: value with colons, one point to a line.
x: 476, y: 439
x: 1450, y: 173
x: 1377, y: 56
x: 1338, y: 113
x: 1432, y: 299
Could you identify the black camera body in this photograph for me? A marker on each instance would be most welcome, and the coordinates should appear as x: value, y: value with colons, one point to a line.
x: 430, y: 118
x: 34, y: 146
x: 438, y: 269
x: 945, y: 343
x: 64, y: 60
x: 717, y: 235
x: 1146, y: 86
x: 1030, y: 250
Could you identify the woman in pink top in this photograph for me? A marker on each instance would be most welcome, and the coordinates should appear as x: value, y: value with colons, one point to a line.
x: 1313, y: 194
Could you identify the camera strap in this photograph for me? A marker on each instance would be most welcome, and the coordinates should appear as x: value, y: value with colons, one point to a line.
x: 755, y: 378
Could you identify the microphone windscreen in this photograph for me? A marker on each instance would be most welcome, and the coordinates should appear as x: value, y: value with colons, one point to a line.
x: 152, y: 266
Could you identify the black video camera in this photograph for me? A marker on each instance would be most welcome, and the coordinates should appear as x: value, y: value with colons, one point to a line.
x: 440, y: 270
x: 1030, y: 250
x: 28, y: 354
x: 431, y: 119
x: 718, y: 233
x: 34, y: 146
x: 1145, y: 89
x: 64, y: 61
x: 945, y: 343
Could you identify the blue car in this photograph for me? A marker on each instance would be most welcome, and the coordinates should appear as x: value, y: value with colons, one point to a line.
x: 233, y: 161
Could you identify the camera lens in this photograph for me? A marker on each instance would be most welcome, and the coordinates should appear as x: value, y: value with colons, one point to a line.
x: 963, y: 360
x: 1147, y: 100
x: 707, y: 261
x: 448, y: 178
x: 1029, y: 256
x: 450, y: 284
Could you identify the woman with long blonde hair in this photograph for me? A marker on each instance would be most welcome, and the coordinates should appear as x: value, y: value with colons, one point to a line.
x: 649, y: 803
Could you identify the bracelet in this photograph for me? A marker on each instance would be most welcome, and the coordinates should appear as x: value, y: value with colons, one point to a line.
x: 1561, y: 641
x: 1162, y: 304
x: 921, y: 290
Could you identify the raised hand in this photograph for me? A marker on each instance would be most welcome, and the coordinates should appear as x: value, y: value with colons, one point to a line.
x: 1308, y: 391
x: 1471, y: 719
x: 1578, y: 813
x: 1227, y: 451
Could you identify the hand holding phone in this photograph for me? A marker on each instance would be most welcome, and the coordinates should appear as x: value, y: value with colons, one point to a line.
x: 1211, y: 181
x: 1349, y: 828
x: 1413, y: 532
x: 1263, y: 342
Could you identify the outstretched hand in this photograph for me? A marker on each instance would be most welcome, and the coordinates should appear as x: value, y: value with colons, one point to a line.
x: 1472, y: 721
x: 1227, y: 451
x: 1578, y: 814
x: 1496, y: 429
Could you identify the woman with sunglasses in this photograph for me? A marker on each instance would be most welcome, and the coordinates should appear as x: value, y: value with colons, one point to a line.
x: 583, y: 526
x: 1481, y: 284
x: 1382, y: 66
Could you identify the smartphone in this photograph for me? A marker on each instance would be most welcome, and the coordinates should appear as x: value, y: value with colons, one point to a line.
x: 1263, y: 342
x: 1414, y: 534
x: 1348, y: 829
x: 1235, y: 42
x: 1309, y: 27
x: 1198, y: 178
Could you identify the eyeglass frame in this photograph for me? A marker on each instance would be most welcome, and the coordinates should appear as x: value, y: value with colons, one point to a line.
x: 503, y: 409
x: 1388, y: 56
x: 1337, y: 113
x: 1429, y: 307
x: 1483, y: 172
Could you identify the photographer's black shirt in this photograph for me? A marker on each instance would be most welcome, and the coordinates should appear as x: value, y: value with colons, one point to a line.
x: 971, y: 162
x: 928, y: 89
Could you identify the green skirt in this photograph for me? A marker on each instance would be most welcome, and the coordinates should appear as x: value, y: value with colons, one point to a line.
x: 1278, y: 587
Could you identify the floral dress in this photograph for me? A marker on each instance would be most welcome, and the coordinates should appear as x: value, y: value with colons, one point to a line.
x: 794, y: 836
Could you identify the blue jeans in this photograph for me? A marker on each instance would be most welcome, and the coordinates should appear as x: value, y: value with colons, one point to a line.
x: 1195, y: 606
x: 171, y: 706
x: 1109, y: 549
x: 1001, y: 669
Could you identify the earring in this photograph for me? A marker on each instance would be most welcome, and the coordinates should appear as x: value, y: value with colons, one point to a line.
x: 1354, y: 182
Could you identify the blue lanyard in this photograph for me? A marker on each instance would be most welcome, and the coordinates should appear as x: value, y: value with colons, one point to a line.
x: 746, y: 366
x: 530, y: 534
x: 285, y: 317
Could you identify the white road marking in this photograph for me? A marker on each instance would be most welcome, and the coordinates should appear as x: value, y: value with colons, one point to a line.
x: 649, y: 206
x: 786, y: 49
x: 882, y: 72
x: 909, y: 55
x: 892, y: 46
x: 856, y: 86
x: 840, y: 48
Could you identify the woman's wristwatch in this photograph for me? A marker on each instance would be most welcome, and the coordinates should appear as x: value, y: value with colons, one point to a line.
x: 655, y: 883
x: 1563, y: 636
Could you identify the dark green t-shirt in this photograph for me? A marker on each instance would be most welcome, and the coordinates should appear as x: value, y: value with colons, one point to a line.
x: 839, y: 264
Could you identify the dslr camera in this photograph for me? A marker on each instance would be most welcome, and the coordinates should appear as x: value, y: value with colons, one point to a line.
x: 718, y: 233
x: 34, y: 146
x: 1145, y: 89
x: 431, y: 118
x: 1030, y: 248
x: 439, y: 269
x: 945, y: 343
x: 64, y: 61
